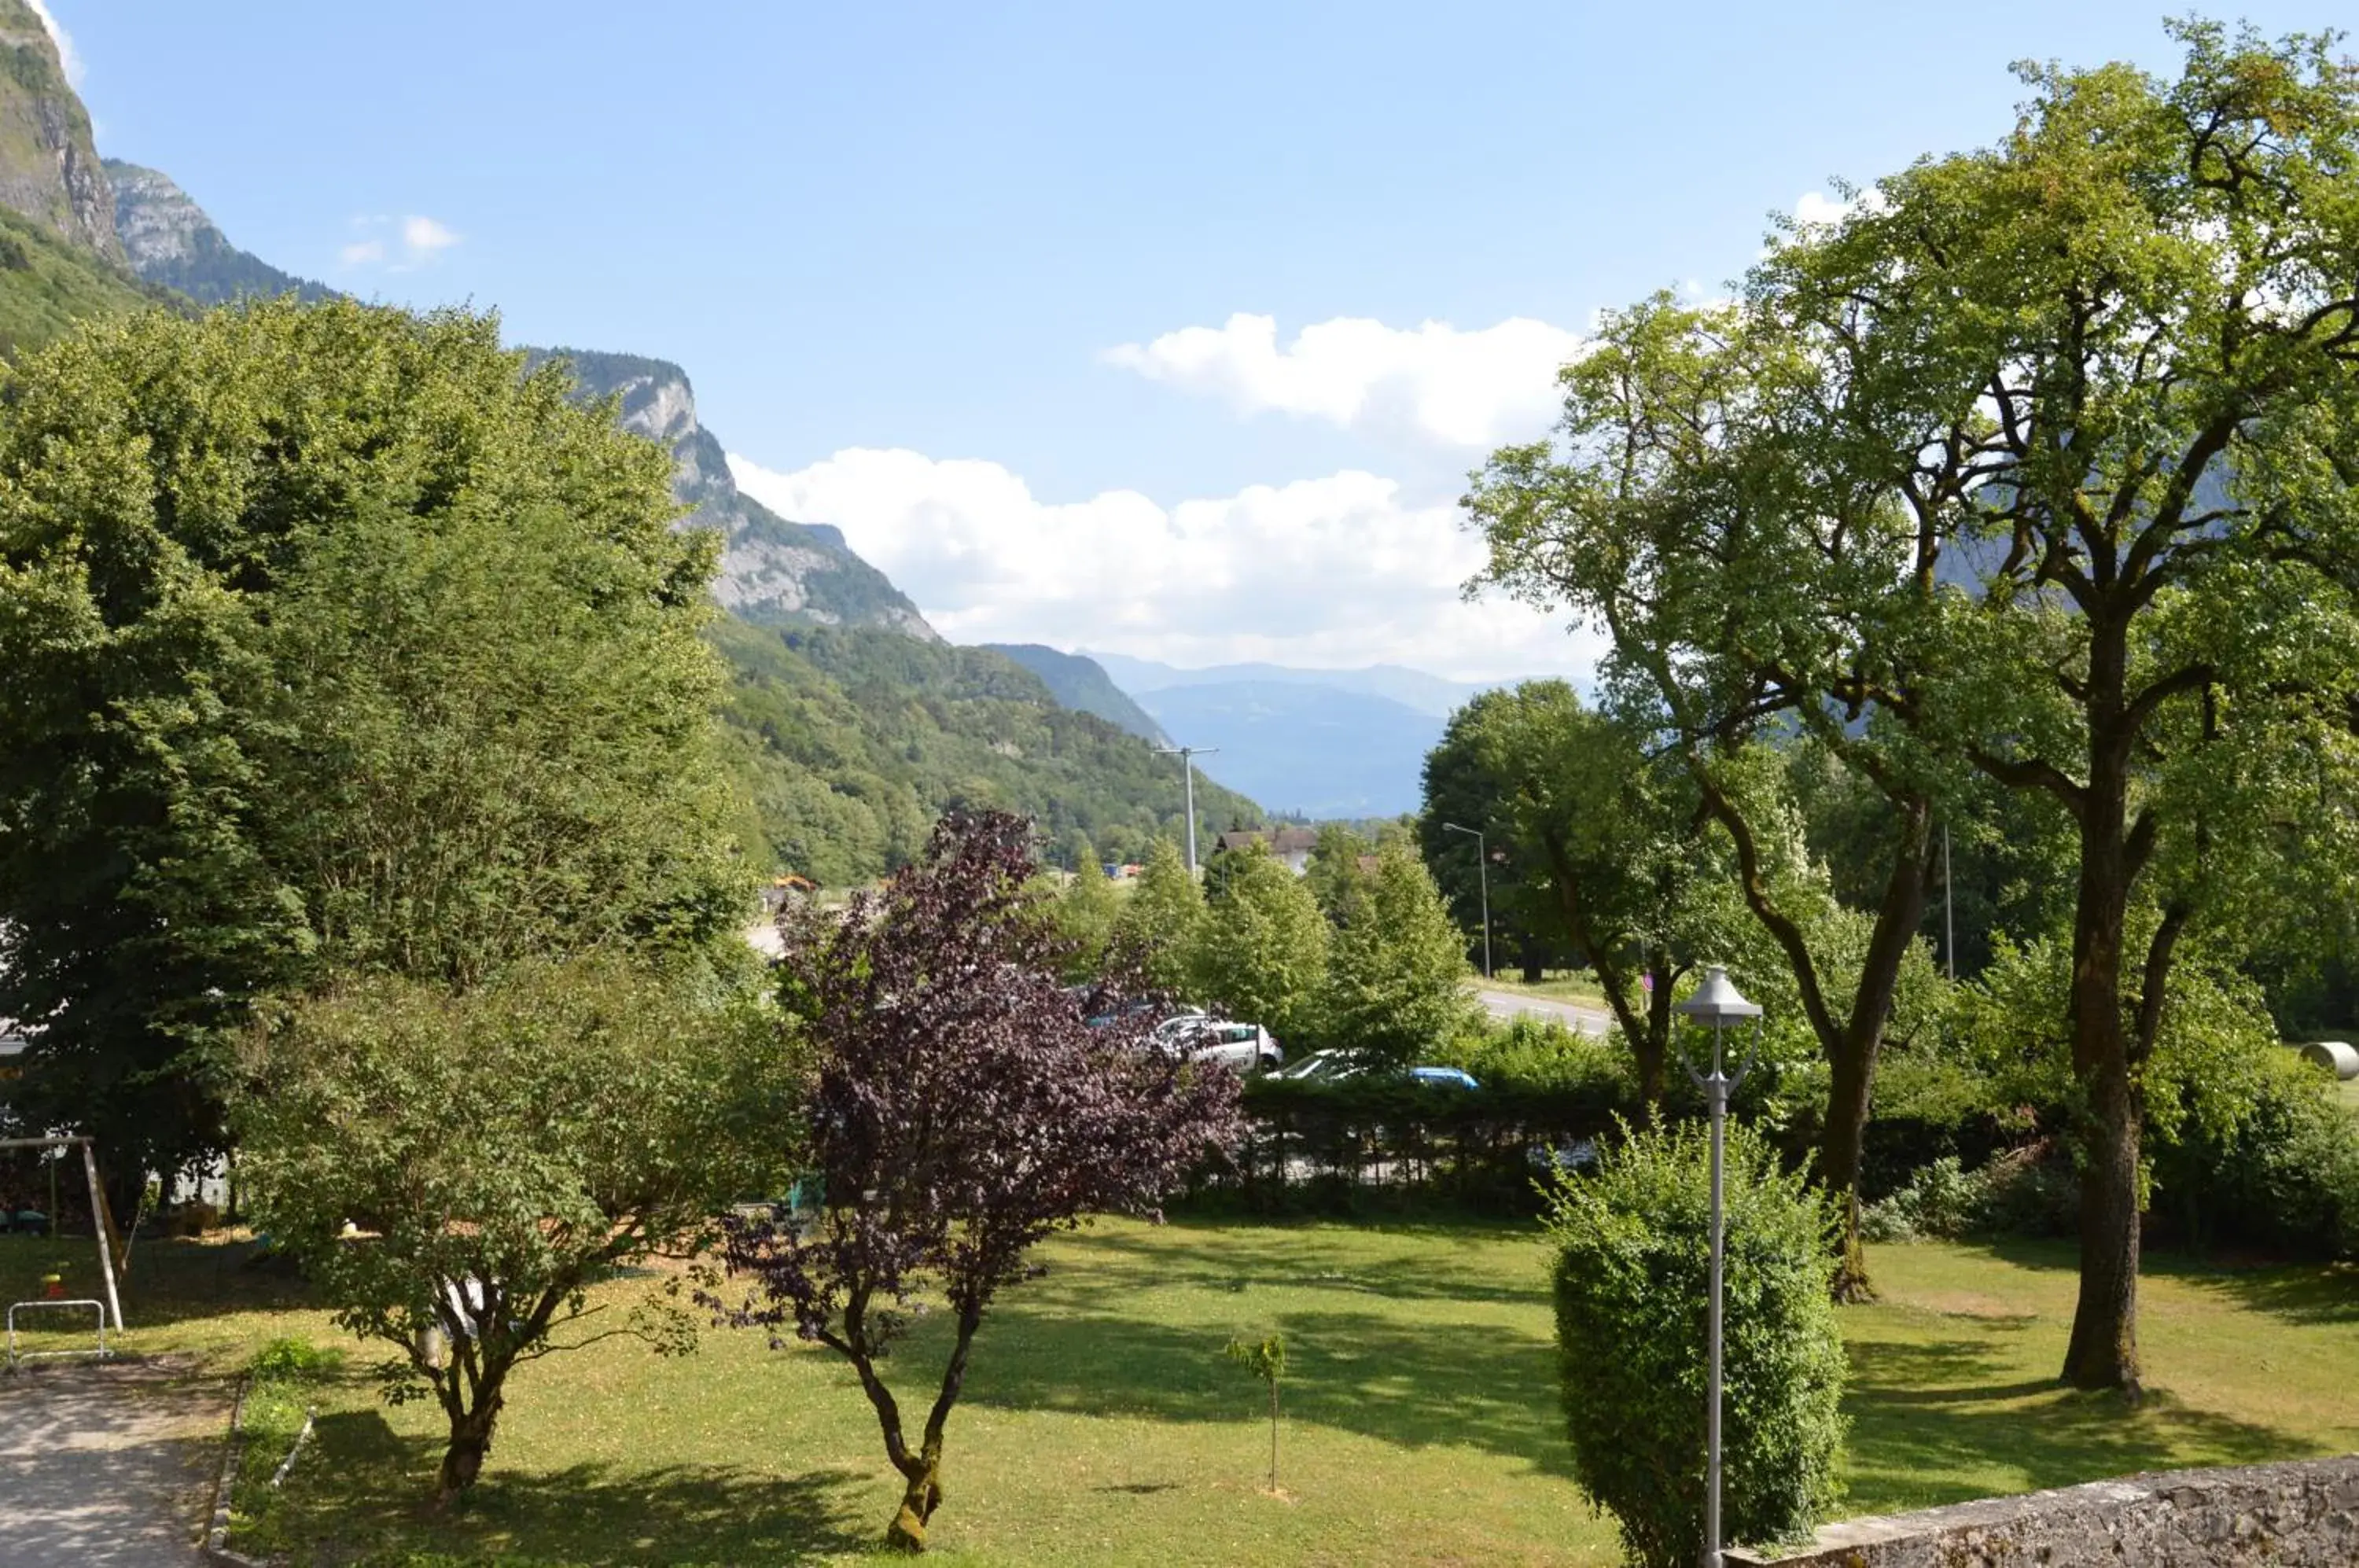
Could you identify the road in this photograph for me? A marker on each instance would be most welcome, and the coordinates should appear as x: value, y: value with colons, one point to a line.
x: 106, y: 1467
x: 1581, y: 1018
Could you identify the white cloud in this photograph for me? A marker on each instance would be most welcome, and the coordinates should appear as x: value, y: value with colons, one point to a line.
x: 67, y: 55
x: 1333, y: 572
x: 1814, y: 208
x: 1818, y: 207
x: 1458, y: 388
x: 423, y: 237
x: 398, y: 245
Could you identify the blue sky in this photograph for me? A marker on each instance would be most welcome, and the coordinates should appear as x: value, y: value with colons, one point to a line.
x: 963, y: 278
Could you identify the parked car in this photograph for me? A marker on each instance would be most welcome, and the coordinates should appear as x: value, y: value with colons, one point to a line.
x: 1168, y: 1032
x: 1248, y: 1048
x: 1332, y: 1066
x: 1319, y: 1067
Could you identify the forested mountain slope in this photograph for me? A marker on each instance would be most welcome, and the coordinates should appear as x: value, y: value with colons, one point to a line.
x: 1078, y: 681
x: 850, y: 742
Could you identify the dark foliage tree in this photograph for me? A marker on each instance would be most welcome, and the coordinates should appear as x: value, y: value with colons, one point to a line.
x: 964, y: 1112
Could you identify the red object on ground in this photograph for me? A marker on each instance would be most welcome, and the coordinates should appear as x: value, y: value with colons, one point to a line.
x: 53, y: 1286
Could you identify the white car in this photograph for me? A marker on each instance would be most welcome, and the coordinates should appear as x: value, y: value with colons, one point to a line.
x: 1248, y: 1048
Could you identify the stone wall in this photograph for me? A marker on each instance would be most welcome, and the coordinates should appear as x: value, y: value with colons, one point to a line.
x: 2303, y: 1515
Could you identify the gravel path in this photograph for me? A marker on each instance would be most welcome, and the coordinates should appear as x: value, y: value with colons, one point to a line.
x: 106, y: 1467
x: 1581, y: 1018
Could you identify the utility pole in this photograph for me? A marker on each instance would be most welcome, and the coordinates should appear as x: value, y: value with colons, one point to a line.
x: 1482, y: 866
x: 1187, y: 756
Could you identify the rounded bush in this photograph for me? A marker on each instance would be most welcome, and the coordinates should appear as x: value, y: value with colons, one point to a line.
x: 1632, y: 1270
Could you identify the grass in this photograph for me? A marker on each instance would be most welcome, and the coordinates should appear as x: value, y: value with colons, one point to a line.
x: 1102, y: 1425
x: 1556, y: 985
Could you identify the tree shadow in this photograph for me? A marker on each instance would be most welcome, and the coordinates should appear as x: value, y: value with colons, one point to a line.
x: 2302, y: 1293
x: 370, y: 1485
x: 168, y: 1280
x: 1411, y: 1384
x: 1931, y: 1423
x: 1208, y: 1255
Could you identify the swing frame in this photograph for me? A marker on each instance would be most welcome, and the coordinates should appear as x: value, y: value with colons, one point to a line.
x: 100, y: 1221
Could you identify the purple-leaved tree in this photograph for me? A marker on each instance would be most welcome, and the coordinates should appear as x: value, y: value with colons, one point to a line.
x: 964, y: 1111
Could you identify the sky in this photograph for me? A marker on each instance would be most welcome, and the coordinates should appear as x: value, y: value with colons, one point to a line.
x: 1172, y: 331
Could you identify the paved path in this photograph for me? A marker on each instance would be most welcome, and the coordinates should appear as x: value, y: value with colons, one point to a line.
x: 1581, y: 1018
x: 106, y: 1467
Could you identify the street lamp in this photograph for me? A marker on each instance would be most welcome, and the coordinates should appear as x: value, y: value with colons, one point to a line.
x: 1717, y: 1003
x: 1187, y: 756
x: 1483, y: 866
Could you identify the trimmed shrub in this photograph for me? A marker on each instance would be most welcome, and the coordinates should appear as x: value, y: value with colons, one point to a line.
x: 1632, y: 1272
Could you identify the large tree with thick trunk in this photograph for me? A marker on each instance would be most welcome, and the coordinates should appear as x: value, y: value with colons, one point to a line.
x: 2088, y: 401
x: 965, y: 1111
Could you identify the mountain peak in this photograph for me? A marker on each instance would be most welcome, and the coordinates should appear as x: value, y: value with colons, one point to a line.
x: 48, y: 168
x: 168, y: 239
x: 773, y: 572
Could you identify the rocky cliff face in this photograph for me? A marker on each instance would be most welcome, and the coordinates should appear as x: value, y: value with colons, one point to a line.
x: 167, y: 239
x: 49, y: 169
x: 773, y: 572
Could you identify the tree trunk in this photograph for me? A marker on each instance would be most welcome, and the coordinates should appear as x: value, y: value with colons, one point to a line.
x: 471, y: 1441
x: 1850, y: 1090
x: 1852, y: 1055
x: 920, y: 1497
x: 2104, y: 1352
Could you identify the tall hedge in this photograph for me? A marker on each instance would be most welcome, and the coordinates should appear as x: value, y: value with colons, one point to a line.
x: 1632, y: 1274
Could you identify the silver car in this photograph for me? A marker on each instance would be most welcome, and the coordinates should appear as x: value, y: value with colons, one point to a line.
x: 1248, y: 1048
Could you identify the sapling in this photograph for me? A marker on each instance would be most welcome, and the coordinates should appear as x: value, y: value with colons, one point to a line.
x: 1266, y: 1359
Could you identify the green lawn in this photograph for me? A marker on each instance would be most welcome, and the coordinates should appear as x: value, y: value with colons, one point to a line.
x: 1101, y: 1425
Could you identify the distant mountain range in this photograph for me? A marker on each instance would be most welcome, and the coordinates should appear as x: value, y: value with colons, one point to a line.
x: 1322, y: 743
x: 1429, y: 694
x: 1321, y: 751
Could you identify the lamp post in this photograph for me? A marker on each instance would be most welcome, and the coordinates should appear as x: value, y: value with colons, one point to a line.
x: 1482, y: 869
x: 1717, y: 1003
x: 1187, y: 756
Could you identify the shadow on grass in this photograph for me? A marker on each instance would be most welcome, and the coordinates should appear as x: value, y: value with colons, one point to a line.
x: 2302, y: 1293
x: 168, y: 1281
x: 1209, y: 1255
x: 1953, y: 1420
x: 1412, y: 1384
x: 368, y: 1499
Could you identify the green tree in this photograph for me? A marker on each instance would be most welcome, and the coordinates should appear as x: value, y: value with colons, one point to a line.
x: 1155, y: 932
x: 1612, y: 844
x: 1332, y: 869
x: 1748, y: 584
x: 1259, y: 953
x: 501, y: 1151
x: 332, y: 640
x: 1396, y: 969
x: 1085, y: 915
x: 2111, y: 366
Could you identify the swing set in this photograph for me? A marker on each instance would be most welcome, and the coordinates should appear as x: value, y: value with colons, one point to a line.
x: 103, y: 1223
